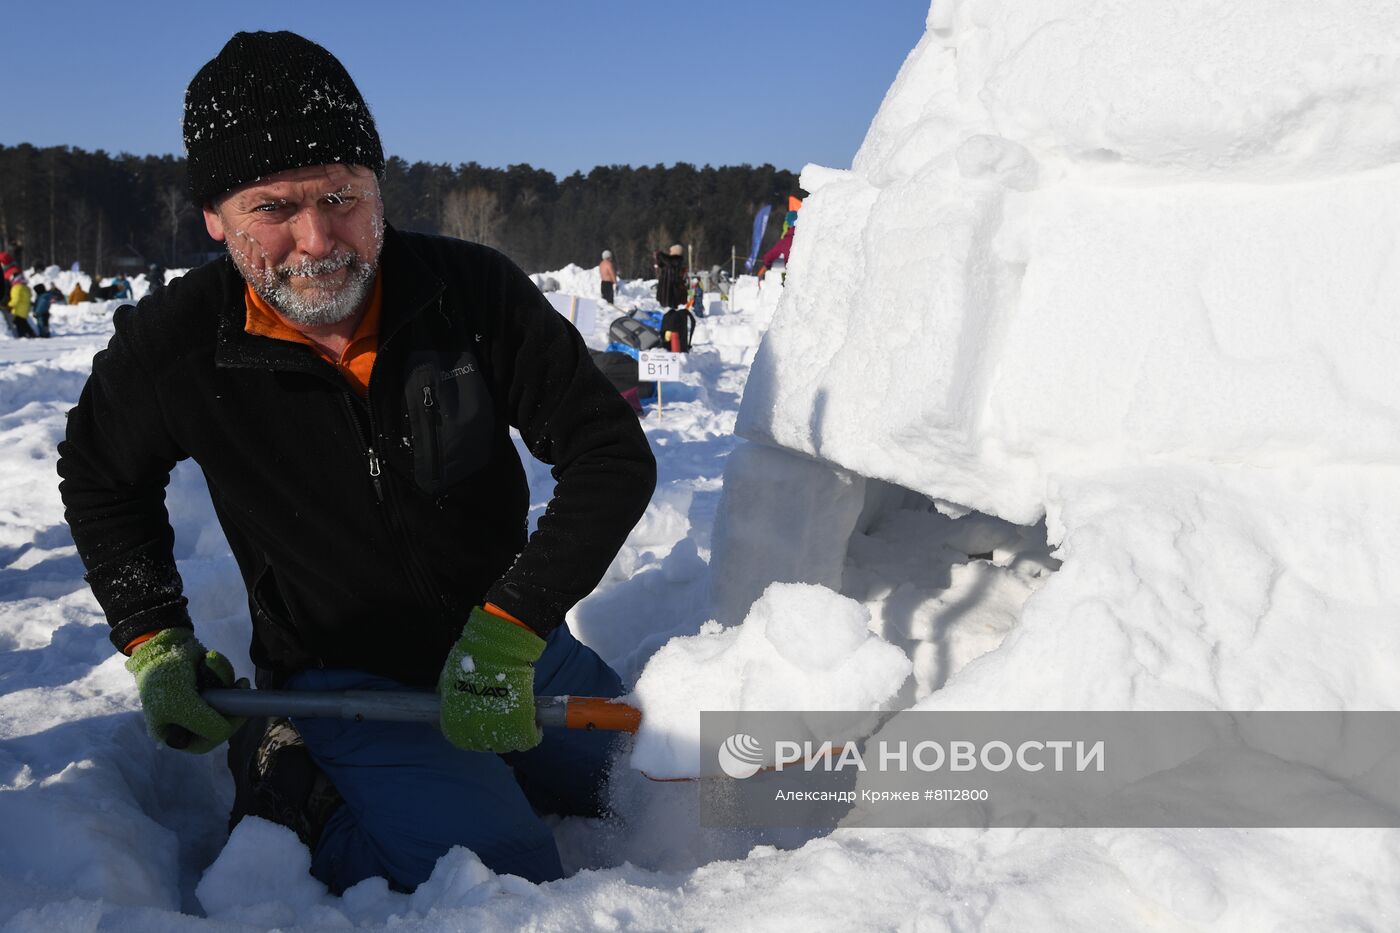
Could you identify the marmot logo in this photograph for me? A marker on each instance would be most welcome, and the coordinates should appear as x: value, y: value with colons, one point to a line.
x: 474, y: 690
x: 459, y: 371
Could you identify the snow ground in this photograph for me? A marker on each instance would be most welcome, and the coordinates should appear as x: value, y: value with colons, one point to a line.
x: 102, y: 829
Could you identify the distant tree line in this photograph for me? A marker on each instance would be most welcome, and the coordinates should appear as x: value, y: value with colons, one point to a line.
x: 108, y: 212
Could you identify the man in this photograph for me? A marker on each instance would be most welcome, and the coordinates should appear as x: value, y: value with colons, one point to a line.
x: 19, y: 303
x: 347, y: 390
x: 43, y: 298
x: 10, y: 264
x: 607, y: 276
x: 670, y: 276
x: 780, y: 249
x: 155, y: 278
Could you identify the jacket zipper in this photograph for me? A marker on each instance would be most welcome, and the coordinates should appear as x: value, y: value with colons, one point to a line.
x: 434, y: 446
x: 417, y: 573
x: 417, y: 576
x: 366, y: 436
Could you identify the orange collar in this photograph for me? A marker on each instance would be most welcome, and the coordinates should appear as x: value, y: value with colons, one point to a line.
x: 356, y: 361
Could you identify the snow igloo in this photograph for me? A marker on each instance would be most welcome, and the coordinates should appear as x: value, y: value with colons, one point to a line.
x: 1113, y: 285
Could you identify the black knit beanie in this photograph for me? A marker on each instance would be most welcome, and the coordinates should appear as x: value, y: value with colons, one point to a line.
x: 268, y: 102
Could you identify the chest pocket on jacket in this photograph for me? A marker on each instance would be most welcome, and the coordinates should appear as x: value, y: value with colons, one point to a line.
x: 450, y: 415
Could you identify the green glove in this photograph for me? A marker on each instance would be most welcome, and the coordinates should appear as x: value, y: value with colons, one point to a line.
x: 488, y: 686
x: 170, y: 669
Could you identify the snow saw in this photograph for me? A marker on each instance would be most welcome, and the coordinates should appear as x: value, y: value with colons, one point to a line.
x: 568, y: 712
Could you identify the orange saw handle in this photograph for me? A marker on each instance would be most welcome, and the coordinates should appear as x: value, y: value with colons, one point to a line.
x: 598, y: 713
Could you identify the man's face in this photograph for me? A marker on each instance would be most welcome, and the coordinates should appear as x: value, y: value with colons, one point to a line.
x: 307, y: 240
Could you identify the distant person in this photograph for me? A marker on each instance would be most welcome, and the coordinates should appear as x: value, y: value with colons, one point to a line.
x: 43, y: 298
x: 779, y: 252
x: 678, y: 329
x: 9, y: 266
x: 20, y: 303
x: 607, y: 274
x: 109, y: 292
x: 77, y: 295
x: 695, y: 297
x: 790, y: 218
x: 670, y: 277
x: 155, y: 277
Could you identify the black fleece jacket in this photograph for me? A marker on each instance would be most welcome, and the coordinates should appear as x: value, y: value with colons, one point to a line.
x: 364, y: 530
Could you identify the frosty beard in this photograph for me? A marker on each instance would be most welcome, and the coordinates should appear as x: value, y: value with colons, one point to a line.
x: 314, y: 307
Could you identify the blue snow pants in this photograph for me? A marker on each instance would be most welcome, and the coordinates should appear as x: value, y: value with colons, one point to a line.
x: 410, y: 795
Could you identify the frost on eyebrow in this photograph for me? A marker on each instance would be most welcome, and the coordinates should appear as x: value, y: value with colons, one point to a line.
x: 251, y: 200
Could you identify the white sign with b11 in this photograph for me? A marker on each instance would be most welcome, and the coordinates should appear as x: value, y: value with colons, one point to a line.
x: 660, y: 366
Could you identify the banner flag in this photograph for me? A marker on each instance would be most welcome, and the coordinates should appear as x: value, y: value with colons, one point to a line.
x: 760, y: 226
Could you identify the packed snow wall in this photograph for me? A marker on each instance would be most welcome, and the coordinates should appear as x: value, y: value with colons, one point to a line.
x: 1131, y: 267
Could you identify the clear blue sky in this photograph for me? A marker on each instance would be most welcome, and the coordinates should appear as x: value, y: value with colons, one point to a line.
x: 560, y: 84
